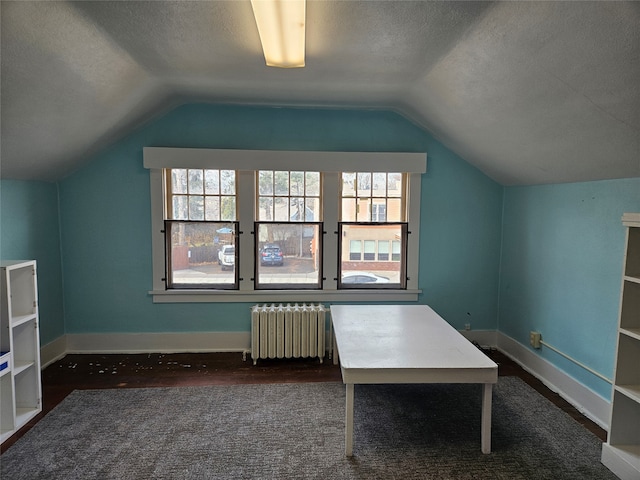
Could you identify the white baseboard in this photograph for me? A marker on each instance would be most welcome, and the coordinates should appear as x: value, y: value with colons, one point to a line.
x: 158, y: 342
x: 588, y: 402
x: 484, y: 338
x: 53, y: 351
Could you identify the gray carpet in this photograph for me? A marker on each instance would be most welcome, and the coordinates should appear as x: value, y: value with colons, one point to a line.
x: 297, y: 431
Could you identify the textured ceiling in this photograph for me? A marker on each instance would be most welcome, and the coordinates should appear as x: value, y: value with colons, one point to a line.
x: 528, y: 92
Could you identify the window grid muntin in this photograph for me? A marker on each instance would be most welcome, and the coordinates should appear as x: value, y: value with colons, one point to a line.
x: 201, y: 194
x: 373, y: 197
x: 282, y: 195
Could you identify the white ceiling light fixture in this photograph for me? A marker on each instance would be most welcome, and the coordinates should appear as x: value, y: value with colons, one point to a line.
x: 281, y: 25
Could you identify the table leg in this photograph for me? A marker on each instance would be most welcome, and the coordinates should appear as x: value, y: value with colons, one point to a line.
x: 348, y: 427
x: 486, y: 417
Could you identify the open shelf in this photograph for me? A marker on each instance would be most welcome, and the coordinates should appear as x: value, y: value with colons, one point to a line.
x: 621, y: 453
x: 20, y: 382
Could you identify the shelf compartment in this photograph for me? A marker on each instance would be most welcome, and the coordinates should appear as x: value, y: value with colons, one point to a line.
x: 632, y: 262
x: 625, y: 420
x: 17, y: 321
x: 22, y: 291
x: 631, y: 332
x: 26, y: 348
x: 627, y: 372
x: 27, y: 395
x: 7, y: 424
x: 631, y: 391
x: 18, y: 368
x: 622, y: 460
x: 630, y: 306
x: 24, y: 415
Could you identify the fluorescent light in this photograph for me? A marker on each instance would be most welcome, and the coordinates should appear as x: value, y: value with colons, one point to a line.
x: 281, y: 25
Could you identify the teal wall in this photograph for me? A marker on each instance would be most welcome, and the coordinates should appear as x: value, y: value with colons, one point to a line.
x: 105, y: 216
x: 29, y: 230
x: 545, y: 258
x: 561, y: 270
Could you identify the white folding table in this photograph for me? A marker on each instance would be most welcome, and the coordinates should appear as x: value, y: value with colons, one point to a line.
x: 406, y: 344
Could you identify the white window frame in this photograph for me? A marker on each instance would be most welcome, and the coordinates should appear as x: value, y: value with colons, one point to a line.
x: 246, y: 163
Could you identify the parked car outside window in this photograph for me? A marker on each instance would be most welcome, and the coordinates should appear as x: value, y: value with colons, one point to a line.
x: 271, y: 254
x: 363, y: 277
x: 227, y: 256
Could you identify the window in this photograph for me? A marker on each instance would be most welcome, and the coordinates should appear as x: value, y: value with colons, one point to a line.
x: 288, y: 232
x: 225, y: 229
x: 383, y: 250
x: 288, y: 196
x: 373, y: 197
x: 373, y: 214
x: 201, y: 194
x: 200, y: 231
x: 355, y: 250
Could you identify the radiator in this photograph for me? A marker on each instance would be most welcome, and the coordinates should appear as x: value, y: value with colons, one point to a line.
x: 287, y: 331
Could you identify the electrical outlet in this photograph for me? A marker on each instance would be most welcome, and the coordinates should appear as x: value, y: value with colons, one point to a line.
x: 467, y: 326
x: 534, y: 339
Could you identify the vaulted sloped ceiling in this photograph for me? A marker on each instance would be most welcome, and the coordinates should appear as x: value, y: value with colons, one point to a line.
x: 529, y: 92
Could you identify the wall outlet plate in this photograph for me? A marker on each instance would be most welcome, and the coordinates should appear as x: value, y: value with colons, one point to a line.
x: 534, y: 339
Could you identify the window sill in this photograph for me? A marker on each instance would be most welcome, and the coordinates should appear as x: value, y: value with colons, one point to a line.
x: 268, y: 296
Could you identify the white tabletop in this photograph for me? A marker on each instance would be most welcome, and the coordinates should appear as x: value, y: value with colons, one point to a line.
x: 405, y: 344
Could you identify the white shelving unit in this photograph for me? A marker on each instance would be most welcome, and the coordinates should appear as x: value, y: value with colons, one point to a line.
x: 20, y: 383
x: 621, y: 453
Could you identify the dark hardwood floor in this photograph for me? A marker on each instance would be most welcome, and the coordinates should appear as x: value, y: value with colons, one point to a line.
x: 96, y: 371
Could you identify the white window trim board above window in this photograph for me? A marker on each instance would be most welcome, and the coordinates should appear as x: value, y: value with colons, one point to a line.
x: 249, y: 160
x: 246, y: 162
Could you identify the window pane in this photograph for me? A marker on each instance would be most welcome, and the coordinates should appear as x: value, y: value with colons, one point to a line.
x: 348, y: 211
x: 179, y: 180
x: 265, y: 209
x: 281, y: 208
x: 369, y: 249
x: 355, y: 250
x: 196, y: 182
x: 379, y: 184
x: 394, y: 185
x: 201, y: 255
x: 349, y: 184
x: 228, y: 208
x: 378, y: 212
x: 296, y: 183
x: 228, y: 182
x: 265, y: 182
x: 364, y: 184
x: 312, y: 184
x: 312, y: 210
x: 363, y: 213
x: 288, y: 256
x: 212, y: 208
x: 196, y: 207
x: 369, y: 270
x: 281, y: 180
x: 180, y: 207
x: 297, y: 209
x: 394, y: 210
x: 383, y: 250
x: 396, y: 251
x: 212, y: 182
